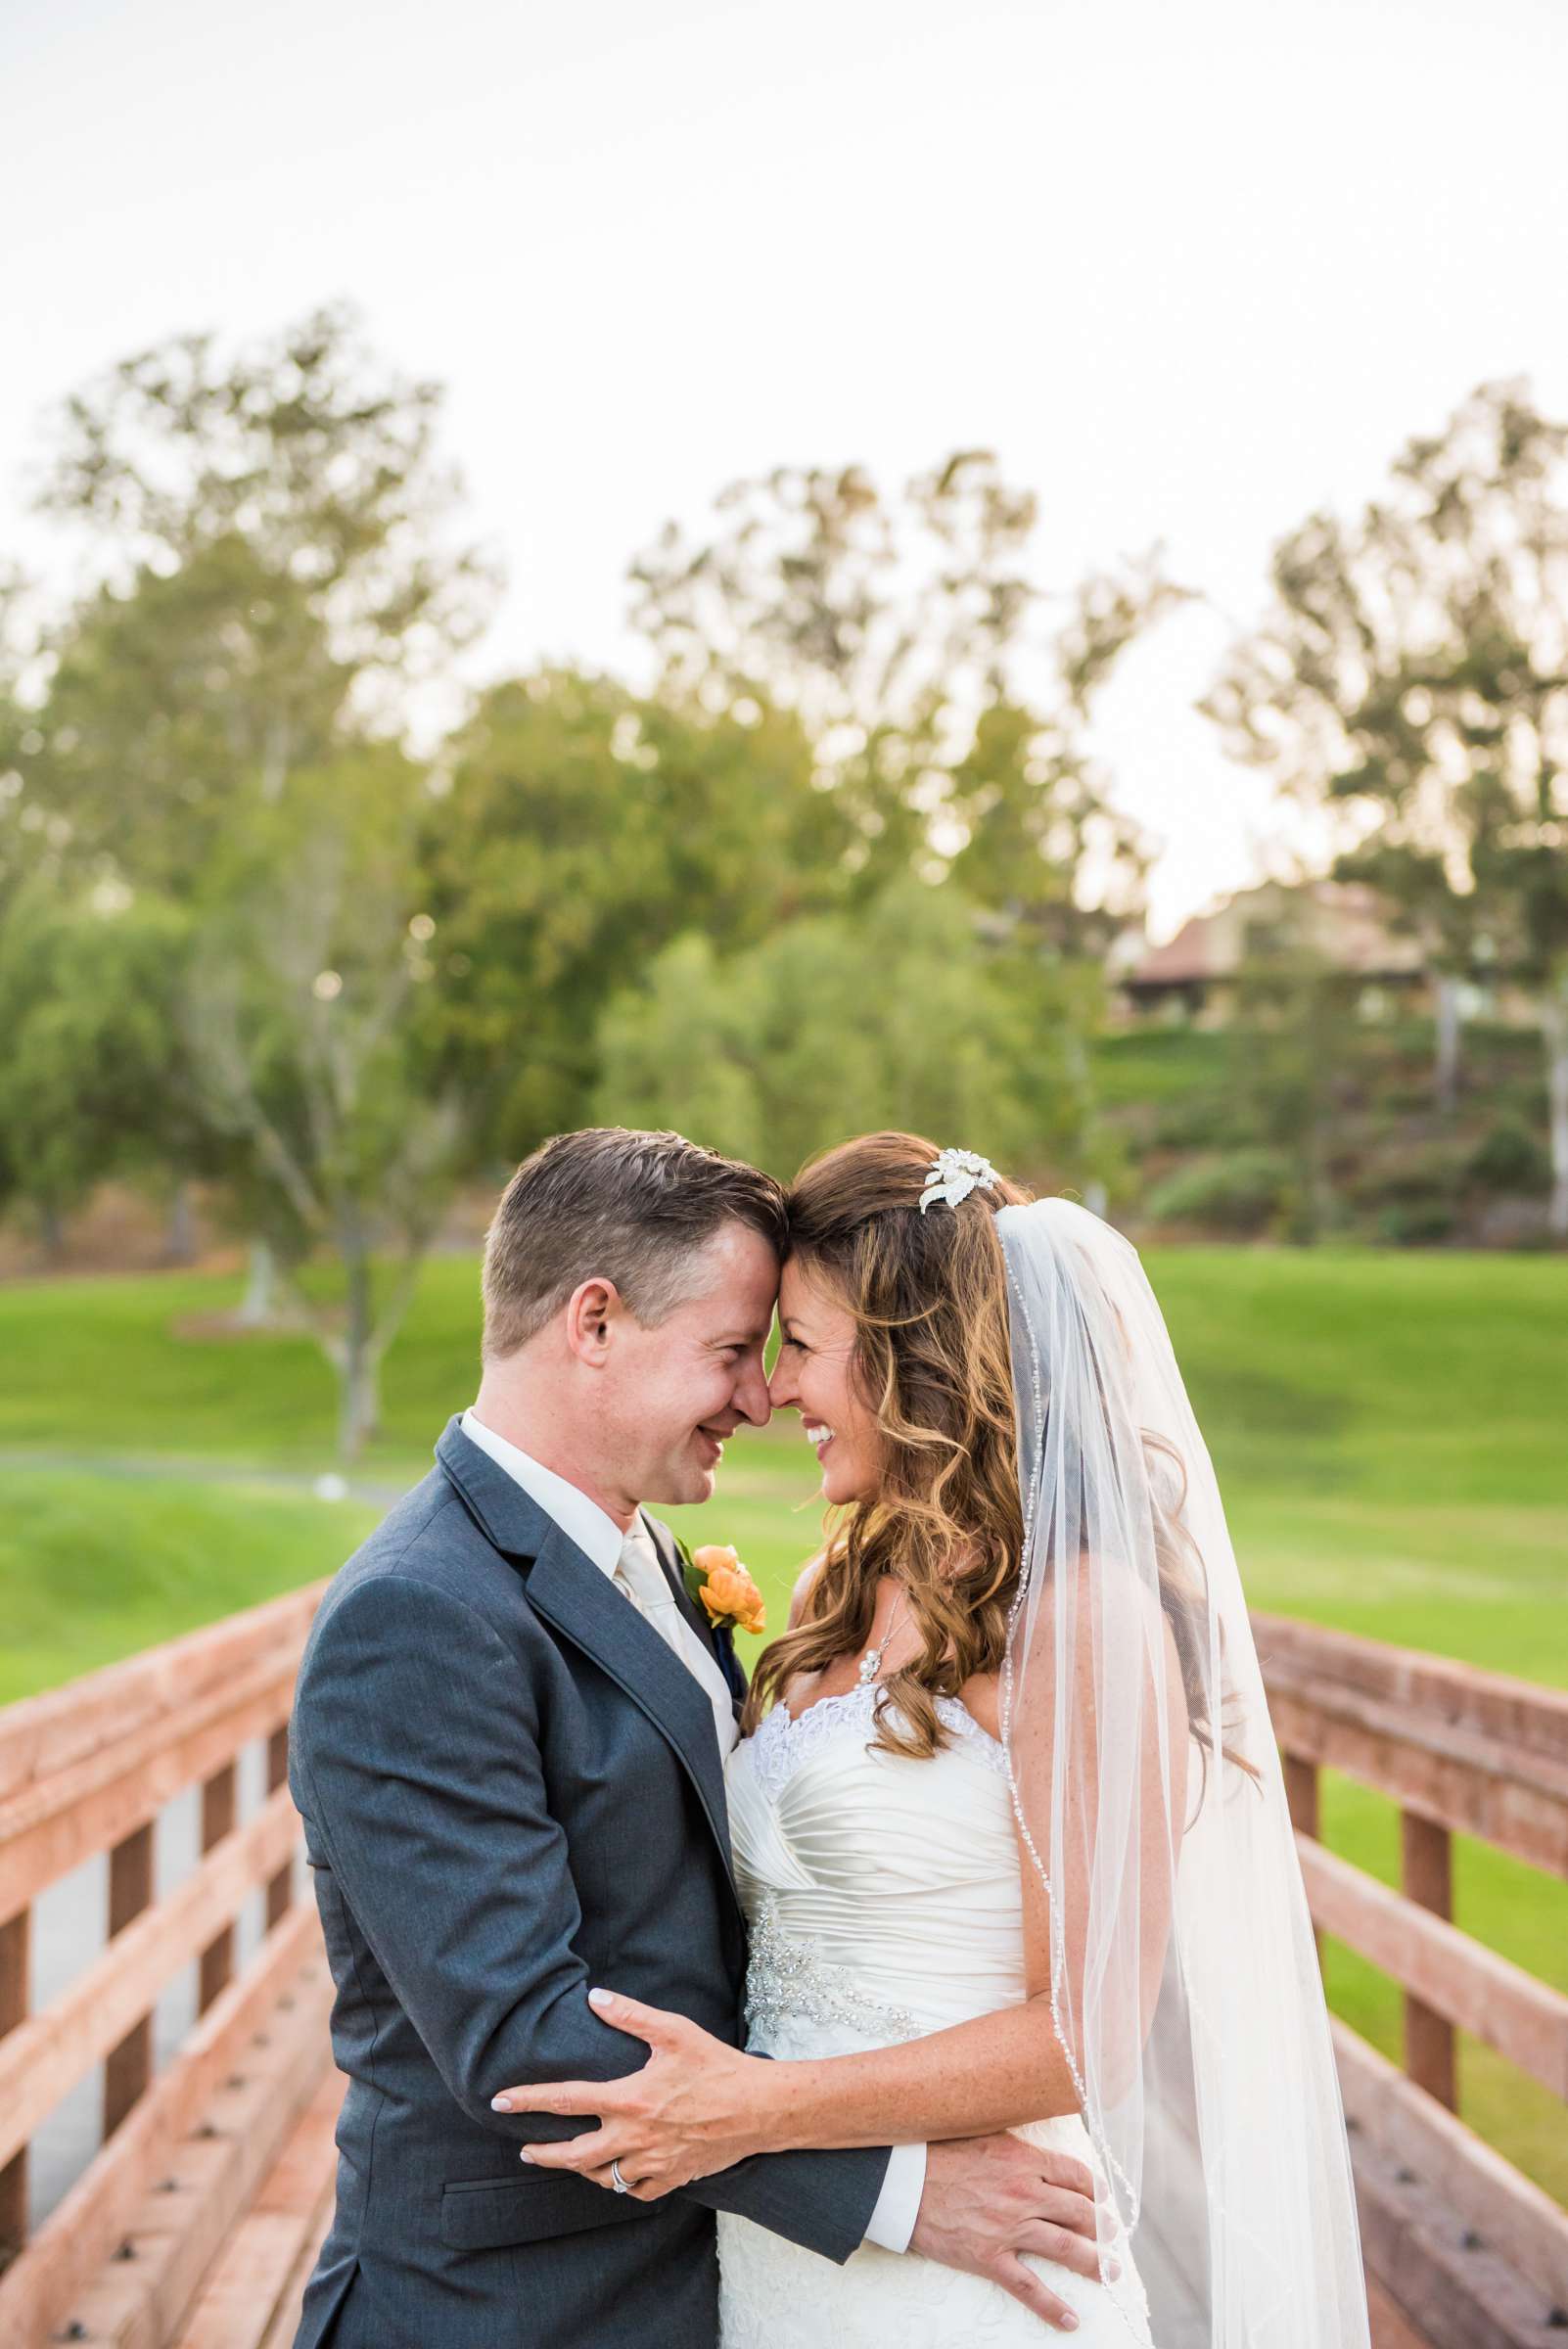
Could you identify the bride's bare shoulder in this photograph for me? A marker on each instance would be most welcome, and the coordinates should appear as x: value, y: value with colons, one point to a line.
x: 981, y: 1698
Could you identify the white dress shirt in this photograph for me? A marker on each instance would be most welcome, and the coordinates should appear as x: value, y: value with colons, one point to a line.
x: 599, y: 1537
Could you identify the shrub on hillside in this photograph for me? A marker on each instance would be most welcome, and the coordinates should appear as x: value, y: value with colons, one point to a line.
x: 1416, y: 1223
x: 1241, y: 1190
x: 1206, y: 1121
x: 1412, y: 1196
x: 1509, y: 1157
x: 1407, y: 1097
x: 1523, y: 1097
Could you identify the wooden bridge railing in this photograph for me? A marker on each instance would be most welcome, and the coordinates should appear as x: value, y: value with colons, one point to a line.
x: 197, y: 2221
x: 1462, y: 2251
x: 225, y: 2155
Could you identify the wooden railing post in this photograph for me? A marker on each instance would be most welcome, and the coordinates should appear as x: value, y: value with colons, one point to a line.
x: 15, y: 1966
x: 217, y: 1820
x: 1426, y: 1875
x: 1301, y: 1795
x: 279, y: 1889
x: 1302, y: 1798
x: 128, y: 2068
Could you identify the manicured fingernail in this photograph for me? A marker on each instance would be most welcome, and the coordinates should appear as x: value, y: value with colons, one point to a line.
x: 1112, y: 2269
x: 500, y: 2104
x: 1069, y: 2323
x: 600, y: 1997
x: 528, y: 2158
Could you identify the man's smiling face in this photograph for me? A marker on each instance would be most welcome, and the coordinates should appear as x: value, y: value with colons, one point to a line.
x: 676, y: 1390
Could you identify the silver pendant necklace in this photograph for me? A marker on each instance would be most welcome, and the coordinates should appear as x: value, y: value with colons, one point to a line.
x: 871, y: 1661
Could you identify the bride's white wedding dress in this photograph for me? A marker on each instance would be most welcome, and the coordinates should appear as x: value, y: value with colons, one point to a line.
x: 885, y: 1901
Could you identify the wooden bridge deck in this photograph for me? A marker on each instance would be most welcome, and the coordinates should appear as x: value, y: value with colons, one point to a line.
x: 197, y: 2221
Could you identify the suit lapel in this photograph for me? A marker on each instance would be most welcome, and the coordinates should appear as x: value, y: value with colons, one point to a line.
x: 585, y: 1606
x: 570, y: 1593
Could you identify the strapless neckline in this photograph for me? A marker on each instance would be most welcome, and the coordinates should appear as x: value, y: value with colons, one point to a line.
x: 784, y: 1739
x: 850, y: 1699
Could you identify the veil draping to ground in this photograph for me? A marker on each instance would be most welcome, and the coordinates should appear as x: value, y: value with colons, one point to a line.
x: 1166, y: 1904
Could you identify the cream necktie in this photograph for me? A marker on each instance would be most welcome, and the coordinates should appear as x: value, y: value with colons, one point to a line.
x: 641, y: 1577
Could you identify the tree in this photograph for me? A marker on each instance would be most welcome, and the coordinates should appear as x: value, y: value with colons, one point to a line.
x: 840, y: 602
x: 93, y: 1080
x: 582, y: 829
x: 173, y: 702
x: 1290, y: 1042
x: 24, y: 847
x: 1412, y: 674
x: 309, y: 452
x: 313, y: 1051
x: 1030, y: 824
x: 896, y: 627
x: 898, y: 1013
x: 272, y: 567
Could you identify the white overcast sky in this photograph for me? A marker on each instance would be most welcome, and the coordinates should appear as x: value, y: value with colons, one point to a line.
x: 1190, y: 267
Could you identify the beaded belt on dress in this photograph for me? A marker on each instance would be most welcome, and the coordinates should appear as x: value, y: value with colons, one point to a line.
x: 786, y: 1980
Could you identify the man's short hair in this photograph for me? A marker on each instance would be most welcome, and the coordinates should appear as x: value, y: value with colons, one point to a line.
x: 618, y: 1205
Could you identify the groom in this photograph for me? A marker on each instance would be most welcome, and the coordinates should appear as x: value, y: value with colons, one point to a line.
x: 508, y: 1749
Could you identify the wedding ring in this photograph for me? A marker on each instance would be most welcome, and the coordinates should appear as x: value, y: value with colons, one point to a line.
x: 616, y: 2180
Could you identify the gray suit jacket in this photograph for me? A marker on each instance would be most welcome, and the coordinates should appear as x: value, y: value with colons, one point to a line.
x: 512, y: 1793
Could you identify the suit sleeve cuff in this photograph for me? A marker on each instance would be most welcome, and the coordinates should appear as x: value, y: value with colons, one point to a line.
x: 892, y: 2222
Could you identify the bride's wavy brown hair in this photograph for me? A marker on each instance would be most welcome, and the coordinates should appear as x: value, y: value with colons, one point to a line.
x: 932, y: 1358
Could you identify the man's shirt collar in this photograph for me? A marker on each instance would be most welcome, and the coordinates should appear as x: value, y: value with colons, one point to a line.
x: 581, y: 1519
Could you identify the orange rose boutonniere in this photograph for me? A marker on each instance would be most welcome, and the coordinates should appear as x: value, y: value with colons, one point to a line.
x: 723, y: 1588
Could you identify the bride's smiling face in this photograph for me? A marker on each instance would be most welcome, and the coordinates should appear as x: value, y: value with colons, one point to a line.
x: 814, y: 1376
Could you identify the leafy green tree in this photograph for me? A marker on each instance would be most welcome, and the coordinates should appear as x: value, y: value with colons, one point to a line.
x: 1412, y: 674
x: 905, y: 629
x: 896, y: 1013
x: 93, y: 1080
x: 271, y: 539
x: 582, y: 830
x: 306, y: 449
x: 172, y: 703
x: 1036, y: 824
x: 839, y: 601
x: 314, y: 1041
x: 1292, y: 1038
x: 25, y: 848
x: 273, y: 565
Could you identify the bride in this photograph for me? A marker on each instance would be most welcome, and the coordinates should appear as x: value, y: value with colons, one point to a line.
x: 1008, y: 1822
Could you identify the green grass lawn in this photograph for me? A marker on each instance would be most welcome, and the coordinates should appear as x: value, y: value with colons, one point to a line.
x: 1150, y: 1065
x: 93, y: 1568
x: 1388, y: 1428
x: 1391, y: 1433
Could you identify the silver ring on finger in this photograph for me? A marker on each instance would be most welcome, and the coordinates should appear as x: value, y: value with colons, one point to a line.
x: 616, y: 2180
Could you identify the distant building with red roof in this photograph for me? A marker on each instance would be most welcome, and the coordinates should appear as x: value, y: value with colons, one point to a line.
x: 1344, y: 924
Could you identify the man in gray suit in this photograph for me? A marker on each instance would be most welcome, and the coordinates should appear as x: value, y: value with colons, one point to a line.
x: 508, y: 1750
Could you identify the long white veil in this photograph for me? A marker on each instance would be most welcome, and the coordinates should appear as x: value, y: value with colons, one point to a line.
x: 1148, y: 1792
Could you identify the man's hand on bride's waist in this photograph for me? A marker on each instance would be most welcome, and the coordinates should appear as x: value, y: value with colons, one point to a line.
x: 696, y: 2106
